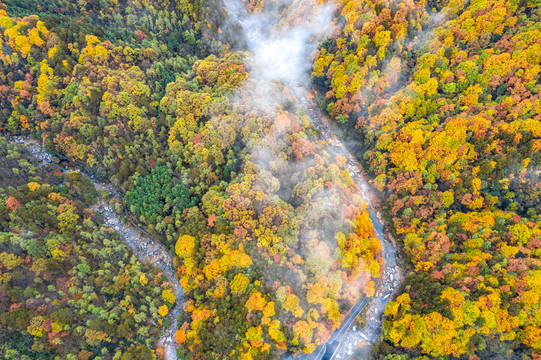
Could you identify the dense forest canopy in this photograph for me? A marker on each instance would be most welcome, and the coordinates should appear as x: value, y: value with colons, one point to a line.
x: 442, y: 103
x: 171, y: 103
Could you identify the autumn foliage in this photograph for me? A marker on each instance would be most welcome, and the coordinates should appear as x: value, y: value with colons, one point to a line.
x: 69, y: 287
x: 441, y: 99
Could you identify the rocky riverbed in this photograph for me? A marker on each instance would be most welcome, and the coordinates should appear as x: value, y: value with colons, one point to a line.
x: 146, y: 249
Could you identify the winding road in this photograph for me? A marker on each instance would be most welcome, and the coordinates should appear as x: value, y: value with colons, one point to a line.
x: 344, y: 342
x: 281, y: 49
x: 146, y: 249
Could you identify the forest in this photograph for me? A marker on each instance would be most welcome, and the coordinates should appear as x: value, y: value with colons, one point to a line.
x: 272, y: 241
